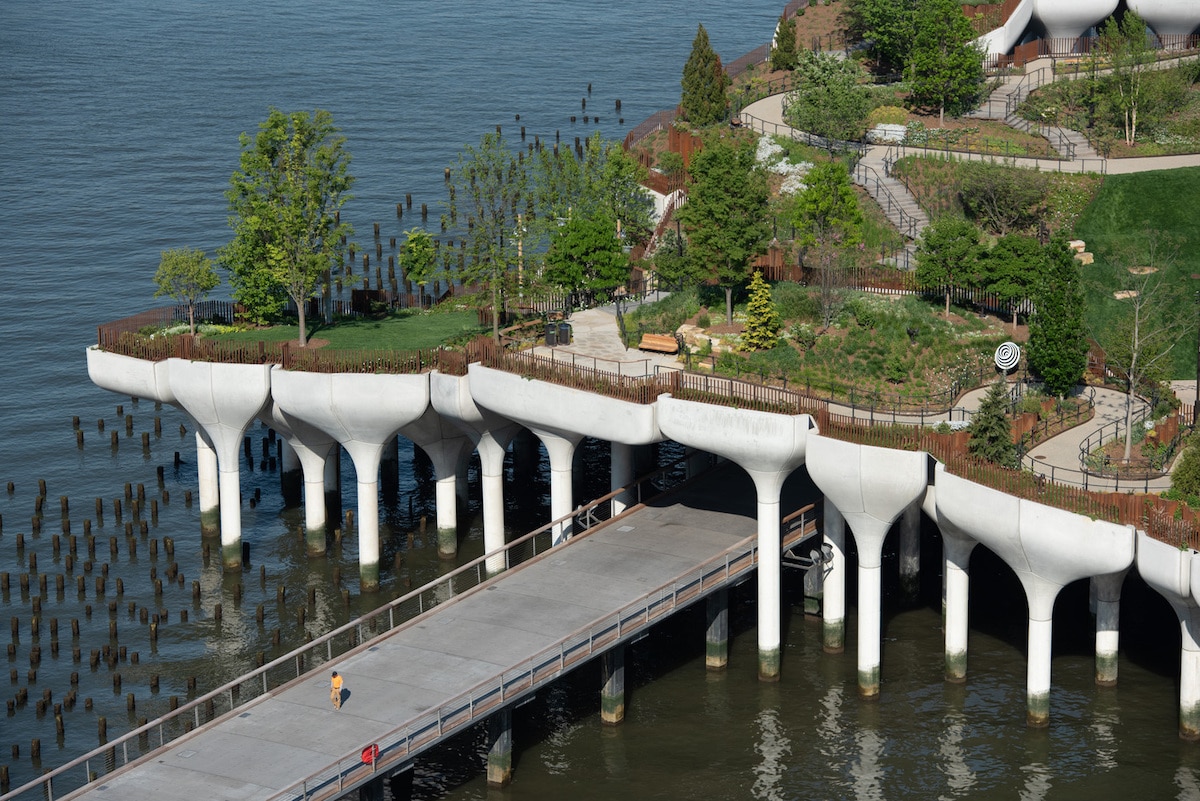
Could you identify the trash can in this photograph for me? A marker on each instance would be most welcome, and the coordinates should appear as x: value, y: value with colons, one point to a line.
x: 551, y: 335
x: 564, y: 333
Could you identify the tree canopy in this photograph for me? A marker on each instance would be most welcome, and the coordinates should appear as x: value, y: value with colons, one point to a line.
x: 726, y: 213
x: 946, y: 254
x: 185, y: 275
x: 829, y: 99
x: 886, y: 26
x: 704, y: 83
x: 991, y: 433
x: 284, y: 199
x: 783, y: 50
x: 586, y: 254
x: 826, y: 211
x: 1058, y: 346
x: 762, y: 318
x: 418, y: 257
x: 1009, y: 269
x: 944, y: 67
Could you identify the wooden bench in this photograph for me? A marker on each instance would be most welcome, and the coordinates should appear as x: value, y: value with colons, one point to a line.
x: 659, y: 343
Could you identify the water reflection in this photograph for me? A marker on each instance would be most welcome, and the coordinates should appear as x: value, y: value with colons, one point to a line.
x: 773, y: 748
x: 960, y: 778
x: 1037, y: 782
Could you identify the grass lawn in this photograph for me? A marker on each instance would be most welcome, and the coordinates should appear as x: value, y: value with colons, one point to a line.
x: 1128, y: 206
x: 399, y: 331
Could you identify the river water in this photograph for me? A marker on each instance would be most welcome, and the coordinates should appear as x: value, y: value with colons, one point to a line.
x: 120, y: 122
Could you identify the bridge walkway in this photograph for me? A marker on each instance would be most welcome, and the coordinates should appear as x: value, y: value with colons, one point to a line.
x: 469, y: 656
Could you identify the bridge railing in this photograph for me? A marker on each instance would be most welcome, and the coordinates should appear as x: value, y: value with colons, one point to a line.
x: 294, y: 665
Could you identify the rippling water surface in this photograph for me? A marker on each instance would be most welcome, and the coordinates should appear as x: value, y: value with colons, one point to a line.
x: 120, y: 124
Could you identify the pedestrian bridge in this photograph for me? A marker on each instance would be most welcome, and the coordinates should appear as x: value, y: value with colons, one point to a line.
x: 447, y: 656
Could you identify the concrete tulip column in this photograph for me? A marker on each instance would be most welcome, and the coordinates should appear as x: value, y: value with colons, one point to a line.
x: 560, y: 448
x: 1108, y: 626
x: 444, y: 444
x: 957, y: 548
x: 768, y: 447
x: 362, y: 412
x: 223, y: 399
x: 621, y: 475
x: 1047, y: 548
x: 311, y: 447
x: 833, y: 592
x: 1175, y: 575
x: 871, y: 487
x: 206, y: 476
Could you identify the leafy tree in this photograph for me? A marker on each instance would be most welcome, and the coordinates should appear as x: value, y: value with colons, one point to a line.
x: 944, y: 67
x: 704, y: 83
x: 726, y: 213
x: 491, y: 181
x: 586, y: 254
x: 1185, y: 477
x: 886, y: 26
x: 827, y: 211
x: 418, y: 256
x: 1002, y: 199
x: 672, y: 262
x: 991, y: 434
x: 292, y: 180
x: 946, y: 254
x: 186, y: 276
x: 1010, y: 268
x: 1057, y: 349
x: 762, y: 318
x: 829, y: 99
x: 1151, y: 314
x: 1129, y: 57
x: 783, y: 53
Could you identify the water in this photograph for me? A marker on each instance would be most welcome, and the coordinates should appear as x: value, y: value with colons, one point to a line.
x: 120, y: 122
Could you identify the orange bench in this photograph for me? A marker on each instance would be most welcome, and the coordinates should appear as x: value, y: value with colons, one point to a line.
x: 659, y: 343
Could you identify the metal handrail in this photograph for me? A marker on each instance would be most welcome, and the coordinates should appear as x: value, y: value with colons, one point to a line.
x: 301, y: 661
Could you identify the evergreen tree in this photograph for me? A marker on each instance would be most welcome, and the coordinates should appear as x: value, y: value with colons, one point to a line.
x: 704, y: 83
x: 762, y: 318
x: 945, y: 67
x: 991, y: 434
x: 726, y: 214
x: 1185, y: 477
x: 783, y: 54
x: 1057, y: 349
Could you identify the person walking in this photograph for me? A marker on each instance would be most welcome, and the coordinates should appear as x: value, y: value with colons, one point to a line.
x: 335, y: 690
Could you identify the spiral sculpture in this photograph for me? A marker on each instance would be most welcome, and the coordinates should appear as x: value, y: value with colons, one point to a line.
x: 1007, y: 356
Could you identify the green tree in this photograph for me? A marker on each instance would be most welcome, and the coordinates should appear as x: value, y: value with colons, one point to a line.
x: 1151, y: 313
x: 672, y: 262
x: 991, y: 433
x: 1129, y: 56
x: 418, y: 257
x: 704, y: 83
x: 1185, y: 476
x: 829, y: 100
x: 886, y: 26
x: 284, y: 203
x: 1058, y: 346
x: 726, y: 213
x: 1010, y: 268
x: 586, y: 254
x: 762, y: 318
x: 186, y: 276
x: 944, y: 67
x: 826, y: 211
x: 1000, y: 198
x: 491, y: 182
x: 783, y: 51
x: 946, y: 255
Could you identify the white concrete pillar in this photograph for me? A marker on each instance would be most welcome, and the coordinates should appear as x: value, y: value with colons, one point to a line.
x: 612, y: 690
x: 500, y: 749
x: 870, y: 575
x: 307, y: 448
x: 1189, y: 674
x: 1108, y: 625
x: 446, y: 499
x: 957, y: 588
x: 910, y: 553
x: 770, y: 565
x: 716, y: 638
x: 291, y: 472
x: 229, y: 481
x: 561, y: 450
x: 491, y: 470
x: 366, y: 459
x: 833, y: 609
x: 210, y: 498
x: 621, y: 475
x: 1041, y: 628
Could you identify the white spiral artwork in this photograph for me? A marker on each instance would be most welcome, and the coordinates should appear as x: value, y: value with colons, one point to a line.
x: 1007, y: 356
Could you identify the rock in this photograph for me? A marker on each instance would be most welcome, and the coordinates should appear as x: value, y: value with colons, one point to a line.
x: 1083, y: 257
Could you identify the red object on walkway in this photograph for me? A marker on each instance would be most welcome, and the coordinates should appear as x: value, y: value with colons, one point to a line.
x: 370, y: 753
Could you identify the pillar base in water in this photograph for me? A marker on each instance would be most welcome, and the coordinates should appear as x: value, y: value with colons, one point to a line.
x: 768, y: 664
x: 314, y: 541
x: 368, y: 577
x: 1106, y: 670
x: 447, y: 543
x: 956, y: 667
x: 833, y: 636
x: 499, y: 761
x: 1189, y: 723
x: 612, y: 693
x: 1037, y: 714
x: 210, y: 522
x: 868, y: 683
x: 231, y: 556
x: 716, y: 641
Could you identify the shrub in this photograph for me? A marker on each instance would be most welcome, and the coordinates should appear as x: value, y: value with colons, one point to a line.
x: 887, y: 115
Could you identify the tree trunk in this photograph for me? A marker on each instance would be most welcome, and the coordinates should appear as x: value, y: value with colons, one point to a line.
x: 302, y: 338
x: 947, y: 303
x: 1128, y: 423
x: 192, y: 318
x: 728, y: 305
x: 495, y: 314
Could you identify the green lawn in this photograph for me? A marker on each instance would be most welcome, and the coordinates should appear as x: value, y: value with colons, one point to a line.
x: 400, y: 331
x: 1128, y: 206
